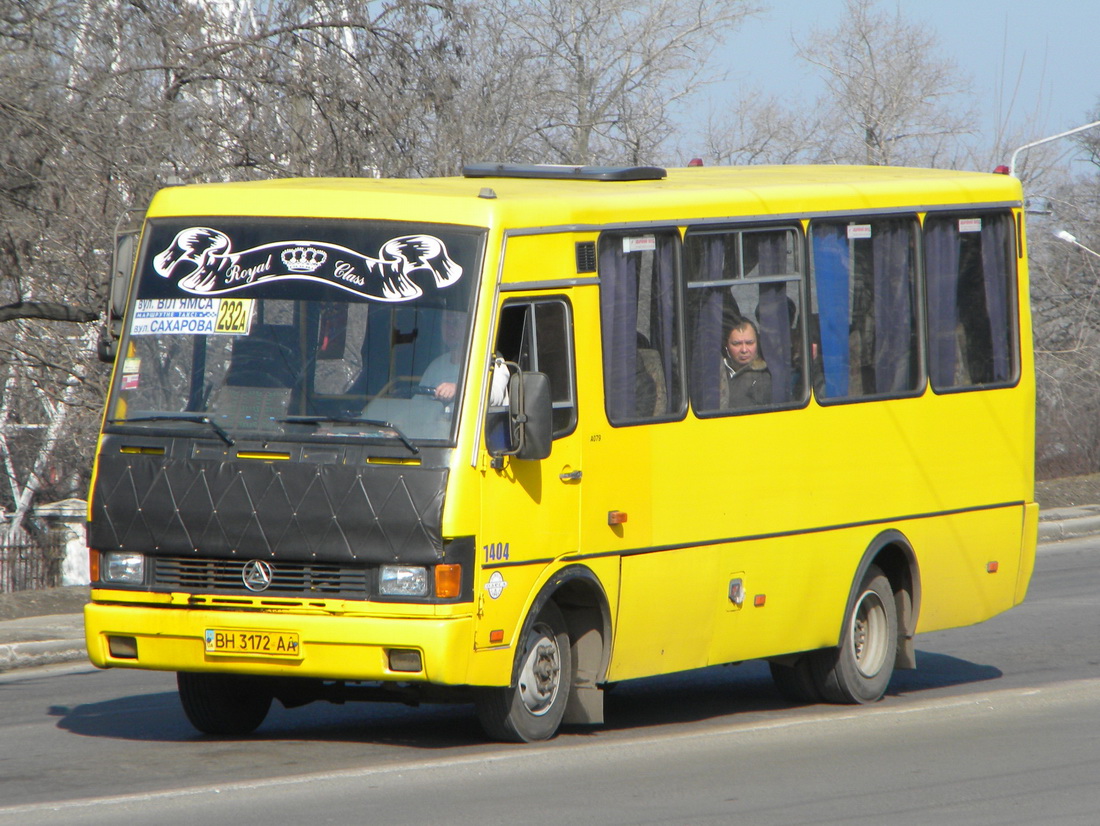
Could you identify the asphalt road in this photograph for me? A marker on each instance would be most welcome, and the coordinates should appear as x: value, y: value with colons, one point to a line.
x: 998, y: 725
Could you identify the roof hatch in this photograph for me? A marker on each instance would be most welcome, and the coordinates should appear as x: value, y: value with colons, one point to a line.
x: 564, y: 172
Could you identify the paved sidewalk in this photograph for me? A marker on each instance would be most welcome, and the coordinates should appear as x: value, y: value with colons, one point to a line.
x: 59, y: 638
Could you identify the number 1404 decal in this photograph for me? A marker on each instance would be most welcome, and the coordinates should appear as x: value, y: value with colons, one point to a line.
x: 495, y: 551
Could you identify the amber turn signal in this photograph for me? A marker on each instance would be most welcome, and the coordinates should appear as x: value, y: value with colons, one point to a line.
x: 448, y: 581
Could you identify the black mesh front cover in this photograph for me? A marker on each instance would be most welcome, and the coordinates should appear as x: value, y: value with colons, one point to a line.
x: 294, y: 511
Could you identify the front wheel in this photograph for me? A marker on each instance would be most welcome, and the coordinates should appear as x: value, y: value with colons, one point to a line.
x: 225, y: 704
x: 532, y: 709
x: 860, y: 669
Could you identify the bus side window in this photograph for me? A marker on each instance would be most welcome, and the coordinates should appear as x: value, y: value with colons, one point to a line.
x: 536, y: 335
x: 971, y: 281
x: 864, y: 279
x: 748, y: 281
x: 640, y: 326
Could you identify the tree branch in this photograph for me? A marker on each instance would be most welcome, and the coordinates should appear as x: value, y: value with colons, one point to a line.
x: 46, y: 310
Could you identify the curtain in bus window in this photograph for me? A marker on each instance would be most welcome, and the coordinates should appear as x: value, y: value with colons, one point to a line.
x: 618, y: 318
x: 941, y: 256
x: 706, y: 339
x: 994, y: 266
x: 893, y: 327
x: 774, y: 320
x: 831, y: 263
x: 663, y: 326
x: 773, y: 313
x: 638, y: 313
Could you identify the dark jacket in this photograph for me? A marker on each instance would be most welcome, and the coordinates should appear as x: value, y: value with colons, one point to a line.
x: 751, y: 386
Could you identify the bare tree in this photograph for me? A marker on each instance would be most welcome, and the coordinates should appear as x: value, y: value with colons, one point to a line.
x: 891, y: 98
x: 758, y: 128
x: 608, y: 74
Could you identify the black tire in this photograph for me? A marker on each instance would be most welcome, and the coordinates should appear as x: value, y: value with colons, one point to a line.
x: 225, y: 704
x: 532, y: 709
x: 796, y: 682
x: 860, y: 669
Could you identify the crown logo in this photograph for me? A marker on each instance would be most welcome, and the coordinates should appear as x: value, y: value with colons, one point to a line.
x: 303, y: 259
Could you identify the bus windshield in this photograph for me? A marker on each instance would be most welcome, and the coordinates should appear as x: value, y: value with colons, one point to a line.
x: 279, y: 328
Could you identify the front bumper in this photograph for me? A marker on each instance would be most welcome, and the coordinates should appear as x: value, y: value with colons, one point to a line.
x: 332, y: 647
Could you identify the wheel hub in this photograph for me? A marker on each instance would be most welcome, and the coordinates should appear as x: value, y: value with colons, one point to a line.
x: 868, y: 634
x: 539, y: 678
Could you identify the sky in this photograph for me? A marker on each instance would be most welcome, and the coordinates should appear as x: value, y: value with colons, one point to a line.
x: 1033, y: 64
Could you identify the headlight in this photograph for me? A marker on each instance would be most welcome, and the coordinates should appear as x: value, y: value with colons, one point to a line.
x: 123, y: 568
x: 403, y: 581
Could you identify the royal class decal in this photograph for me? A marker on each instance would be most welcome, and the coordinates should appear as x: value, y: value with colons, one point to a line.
x: 205, y: 263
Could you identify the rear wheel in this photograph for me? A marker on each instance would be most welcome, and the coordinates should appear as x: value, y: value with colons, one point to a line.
x: 226, y: 704
x: 532, y: 709
x: 860, y: 669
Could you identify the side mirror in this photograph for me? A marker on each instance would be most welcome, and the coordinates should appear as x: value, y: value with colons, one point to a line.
x: 522, y: 426
x: 530, y: 414
x: 122, y: 269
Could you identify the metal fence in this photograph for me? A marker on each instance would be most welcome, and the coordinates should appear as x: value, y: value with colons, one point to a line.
x: 28, y: 563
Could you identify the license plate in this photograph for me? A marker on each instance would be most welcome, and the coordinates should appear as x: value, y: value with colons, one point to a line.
x: 257, y: 643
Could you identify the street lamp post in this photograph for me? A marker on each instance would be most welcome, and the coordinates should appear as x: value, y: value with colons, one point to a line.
x: 1059, y: 136
x: 1061, y: 234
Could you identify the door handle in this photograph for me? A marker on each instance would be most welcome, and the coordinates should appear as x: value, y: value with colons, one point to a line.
x: 570, y: 476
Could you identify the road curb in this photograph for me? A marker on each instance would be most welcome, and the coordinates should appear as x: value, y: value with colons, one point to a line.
x: 47, y: 652
x: 1069, y: 523
x: 1070, y: 529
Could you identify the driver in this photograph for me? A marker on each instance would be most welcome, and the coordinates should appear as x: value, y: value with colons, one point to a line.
x: 441, y: 376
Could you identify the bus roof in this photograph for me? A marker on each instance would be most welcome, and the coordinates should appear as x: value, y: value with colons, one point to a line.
x: 693, y: 193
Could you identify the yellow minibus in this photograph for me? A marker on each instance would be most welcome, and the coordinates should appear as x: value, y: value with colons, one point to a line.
x: 510, y: 437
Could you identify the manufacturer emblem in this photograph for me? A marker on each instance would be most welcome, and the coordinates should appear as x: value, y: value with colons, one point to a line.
x: 256, y: 575
x: 496, y: 585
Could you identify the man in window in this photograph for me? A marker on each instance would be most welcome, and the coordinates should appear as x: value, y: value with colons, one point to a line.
x: 748, y: 383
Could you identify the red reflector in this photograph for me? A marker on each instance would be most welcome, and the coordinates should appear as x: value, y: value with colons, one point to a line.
x: 496, y: 636
x: 616, y: 517
x: 759, y: 600
x: 991, y: 567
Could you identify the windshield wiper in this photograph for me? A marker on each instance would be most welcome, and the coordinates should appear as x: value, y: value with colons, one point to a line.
x: 316, y: 420
x: 180, y: 417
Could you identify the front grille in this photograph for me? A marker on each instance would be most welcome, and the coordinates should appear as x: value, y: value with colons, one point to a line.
x: 226, y: 575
